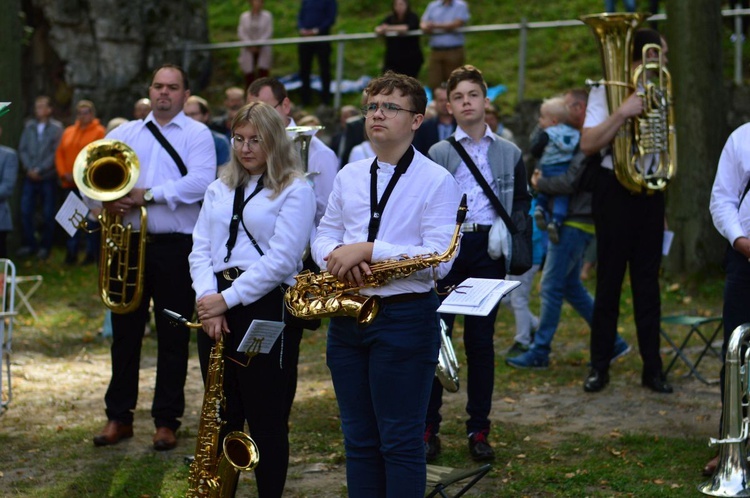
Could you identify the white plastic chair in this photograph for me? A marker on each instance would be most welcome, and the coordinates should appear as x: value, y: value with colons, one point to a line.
x: 7, y: 313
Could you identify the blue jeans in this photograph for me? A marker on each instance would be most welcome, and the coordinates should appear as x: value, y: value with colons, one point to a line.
x: 560, y: 202
x: 382, y: 375
x: 561, y: 279
x: 31, y: 191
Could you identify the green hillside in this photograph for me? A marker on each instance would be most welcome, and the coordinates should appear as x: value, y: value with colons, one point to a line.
x: 557, y: 57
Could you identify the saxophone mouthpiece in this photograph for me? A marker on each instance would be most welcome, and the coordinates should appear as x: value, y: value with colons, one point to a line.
x: 179, y: 319
x: 462, y: 209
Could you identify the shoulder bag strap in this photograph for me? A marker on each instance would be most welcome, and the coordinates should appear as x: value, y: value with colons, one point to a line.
x: 483, y: 183
x: 167, y: 146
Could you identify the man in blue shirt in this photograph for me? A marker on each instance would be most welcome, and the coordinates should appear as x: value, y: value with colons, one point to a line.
x: 444, y: 17
x: 315, y: 19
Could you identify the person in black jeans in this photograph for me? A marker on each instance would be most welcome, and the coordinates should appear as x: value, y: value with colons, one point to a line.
x: 315, y: 19
x: 629, y: 233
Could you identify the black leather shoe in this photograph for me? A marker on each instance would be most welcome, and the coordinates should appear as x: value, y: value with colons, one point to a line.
x: 658, y: 384
x: 596, y: 381
x: 431, y: 447
x: 480, y: 448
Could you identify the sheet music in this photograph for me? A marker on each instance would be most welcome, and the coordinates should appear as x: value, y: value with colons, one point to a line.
x: 477, y: 296
x: 72, y: 213
x: 260, y: 336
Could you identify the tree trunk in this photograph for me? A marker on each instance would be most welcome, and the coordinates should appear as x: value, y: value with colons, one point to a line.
x: 10, y: 68
x: 694, y: 31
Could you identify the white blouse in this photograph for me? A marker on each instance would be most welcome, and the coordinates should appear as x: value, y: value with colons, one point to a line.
x: 281, y: 226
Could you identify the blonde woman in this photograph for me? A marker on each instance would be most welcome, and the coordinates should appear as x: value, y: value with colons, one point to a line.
x: 240, y: 271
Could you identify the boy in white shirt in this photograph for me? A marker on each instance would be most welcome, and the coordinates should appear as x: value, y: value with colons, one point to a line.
x: 382, y: 373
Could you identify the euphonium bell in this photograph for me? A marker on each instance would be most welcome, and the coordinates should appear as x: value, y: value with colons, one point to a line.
x: 106, y: 170
x: 732, y: 476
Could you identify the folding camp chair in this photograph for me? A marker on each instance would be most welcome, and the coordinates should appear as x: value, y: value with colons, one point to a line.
x: 439, y: 478
x: 7, y: 313
x: 705, y: 328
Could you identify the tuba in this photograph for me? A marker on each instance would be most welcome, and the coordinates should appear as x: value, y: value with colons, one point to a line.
x: 447, y: 367
x: 731, y: 477
x: 106, y: 170
x: 652, y: 134
x: 318, y: 295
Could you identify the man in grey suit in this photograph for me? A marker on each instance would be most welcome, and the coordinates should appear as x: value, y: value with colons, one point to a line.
x: 501, y: 165
x: 8, y: 173
x: 39, y: 141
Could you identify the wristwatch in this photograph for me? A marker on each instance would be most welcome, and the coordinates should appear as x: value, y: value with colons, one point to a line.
x: 148, y: 196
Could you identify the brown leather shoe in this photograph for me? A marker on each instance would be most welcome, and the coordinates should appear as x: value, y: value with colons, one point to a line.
x: 710, y: 467
x: 112, y: 433
x: 164, y: 439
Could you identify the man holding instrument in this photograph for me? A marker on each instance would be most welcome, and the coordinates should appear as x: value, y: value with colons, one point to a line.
x: 400, y: 205
x: 171, y: 185
x: 629, y: 233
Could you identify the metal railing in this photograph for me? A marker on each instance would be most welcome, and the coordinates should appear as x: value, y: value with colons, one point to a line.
x: 522, y: 27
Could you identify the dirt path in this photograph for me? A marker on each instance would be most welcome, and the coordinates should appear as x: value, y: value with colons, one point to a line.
x: 68, y: 393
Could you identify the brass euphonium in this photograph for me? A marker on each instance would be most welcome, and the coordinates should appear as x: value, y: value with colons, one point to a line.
x: 652, y: 134
x: 319, y: 295
x: 447, y: 367
x: 731, y: 477
x: 106, y: 170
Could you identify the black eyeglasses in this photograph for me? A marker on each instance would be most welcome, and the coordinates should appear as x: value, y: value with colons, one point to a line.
x: 389, y: 110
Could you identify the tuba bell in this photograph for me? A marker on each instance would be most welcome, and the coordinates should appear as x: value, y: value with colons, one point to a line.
x: 731, y: 477
x: 652, y: 134
x: 106, y: 170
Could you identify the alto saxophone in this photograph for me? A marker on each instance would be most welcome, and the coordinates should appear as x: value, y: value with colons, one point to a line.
x: 213, y: 475
x: 318, y: 295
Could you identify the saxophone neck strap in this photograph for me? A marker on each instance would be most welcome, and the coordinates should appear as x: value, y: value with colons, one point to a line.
x: 483, y: 183
x: 168, y: 147
x: 234, y: 224
x: 376, y: 208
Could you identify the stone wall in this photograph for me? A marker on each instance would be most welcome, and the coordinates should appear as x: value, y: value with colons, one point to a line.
x: 105, y: 50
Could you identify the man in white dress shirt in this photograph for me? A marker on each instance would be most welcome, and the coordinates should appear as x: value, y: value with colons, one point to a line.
x: 322, y: 163
x: 399, y: 203
x: 171, y: 188
x: 730, y: 211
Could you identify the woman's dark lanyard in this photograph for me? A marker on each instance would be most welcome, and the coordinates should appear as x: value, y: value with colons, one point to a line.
x: 376, y: 208
x: 239, y: 206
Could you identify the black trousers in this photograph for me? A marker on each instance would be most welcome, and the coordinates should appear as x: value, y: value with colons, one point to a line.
x: 260, y: 393
x: 629, y: 233
x: 167, y: 281
x: 306, y: 52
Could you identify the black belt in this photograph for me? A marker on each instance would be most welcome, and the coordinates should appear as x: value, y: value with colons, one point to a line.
x: 440, y: 49
x: 404, y: 298
x: 230, y: 274
x: 168, y: 238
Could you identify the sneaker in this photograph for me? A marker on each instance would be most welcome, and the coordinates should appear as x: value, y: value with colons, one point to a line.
x: 24, y: 252
x: 540, y: 219
x: 431, y: 444
x: 516, y: 349
x: 621, y: 349
x: 553, y: 232
x: 479, y: 448
x: 528, y: 360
